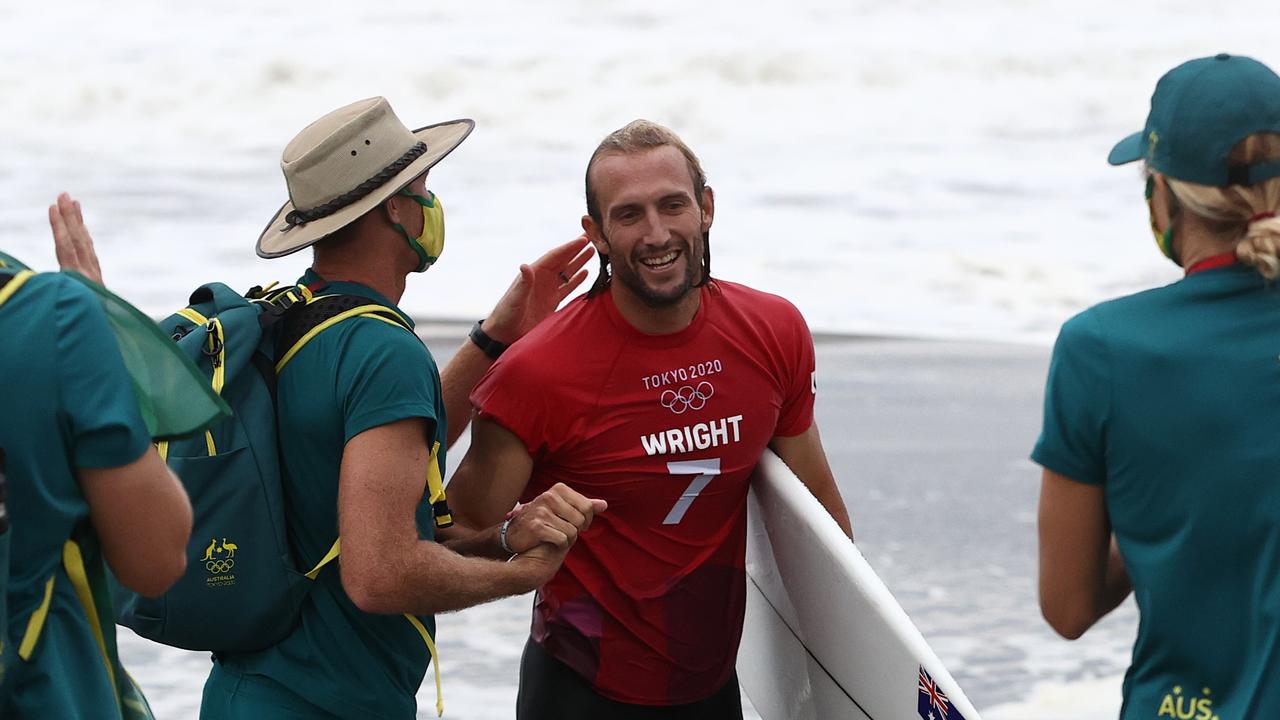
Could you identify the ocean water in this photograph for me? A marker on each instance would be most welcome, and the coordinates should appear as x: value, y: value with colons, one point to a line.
x: 915, y: 169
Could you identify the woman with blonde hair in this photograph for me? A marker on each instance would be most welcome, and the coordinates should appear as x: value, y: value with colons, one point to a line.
x: 1161, y: 435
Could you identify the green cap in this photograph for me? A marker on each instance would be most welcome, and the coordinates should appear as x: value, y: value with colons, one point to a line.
x: 1200, y: 111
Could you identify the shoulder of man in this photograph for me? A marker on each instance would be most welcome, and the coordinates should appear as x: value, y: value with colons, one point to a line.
x: 558, y: 334
x: 759, y: 305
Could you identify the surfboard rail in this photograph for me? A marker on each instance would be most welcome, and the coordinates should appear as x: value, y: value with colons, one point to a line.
x: 824, y: 639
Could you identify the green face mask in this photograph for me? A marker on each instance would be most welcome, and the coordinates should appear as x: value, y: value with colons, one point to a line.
x: 1164, y: 240
x: 430, y: 244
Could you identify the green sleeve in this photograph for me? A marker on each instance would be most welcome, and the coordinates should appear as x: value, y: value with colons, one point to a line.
x: 98, y: 409
x: 385, y: 374
x: 1077, y: 403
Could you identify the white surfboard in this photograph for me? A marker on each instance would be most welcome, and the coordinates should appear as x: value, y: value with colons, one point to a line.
x: 823, y: 637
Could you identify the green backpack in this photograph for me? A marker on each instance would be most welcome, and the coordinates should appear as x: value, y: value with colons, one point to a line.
x: 242, y: 590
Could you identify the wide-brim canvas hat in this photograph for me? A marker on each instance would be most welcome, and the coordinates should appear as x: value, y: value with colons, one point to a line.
x: 1200, y: 111
x: 342, y: 165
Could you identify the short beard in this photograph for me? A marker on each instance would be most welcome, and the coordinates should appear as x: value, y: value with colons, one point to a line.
x: 623, y: 273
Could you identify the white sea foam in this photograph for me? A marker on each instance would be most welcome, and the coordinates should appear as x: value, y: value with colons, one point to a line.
x: 916, y: 168
x: 910, y: 168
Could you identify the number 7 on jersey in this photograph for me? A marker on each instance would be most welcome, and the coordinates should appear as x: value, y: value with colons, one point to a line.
x: 703, y: 471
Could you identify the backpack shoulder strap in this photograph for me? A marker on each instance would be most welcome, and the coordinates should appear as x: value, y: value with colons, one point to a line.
x: 321, y: 313
x: 10, y: 282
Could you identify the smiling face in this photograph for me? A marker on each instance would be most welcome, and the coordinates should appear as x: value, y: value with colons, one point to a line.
x: 652, y: 226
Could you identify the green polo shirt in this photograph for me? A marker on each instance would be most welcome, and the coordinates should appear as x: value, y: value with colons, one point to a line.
x: 66, y: 402
x: 357, y: 375
x: 1170, y: 399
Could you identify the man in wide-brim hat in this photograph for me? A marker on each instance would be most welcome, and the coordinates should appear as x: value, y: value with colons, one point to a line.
x: 365, y: 420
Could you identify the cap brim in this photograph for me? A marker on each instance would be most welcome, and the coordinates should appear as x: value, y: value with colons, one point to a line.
x: 1127, y: 150
x: 280, y: 238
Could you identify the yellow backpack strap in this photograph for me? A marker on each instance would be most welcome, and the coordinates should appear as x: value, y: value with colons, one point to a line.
x: 18, y: 280
x: 435, y: 491
x: 193, y: 316
x: 435, y: 660
x: 73, y: 561
x: 334, y: 551
x: 36, y: 623
x: 443, y: 518
x: 372, y: 310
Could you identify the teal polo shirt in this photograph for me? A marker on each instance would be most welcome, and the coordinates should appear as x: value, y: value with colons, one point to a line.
x: 1170, y: 399
x: 66, y: 402
x: 354, y: 376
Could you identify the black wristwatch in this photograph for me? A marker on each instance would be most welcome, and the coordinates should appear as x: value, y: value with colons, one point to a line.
x: 487, y: 345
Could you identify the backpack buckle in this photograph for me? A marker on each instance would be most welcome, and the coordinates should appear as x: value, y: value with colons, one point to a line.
x: 213, y: 348
x: 276, y: 305
x: 290, y: 296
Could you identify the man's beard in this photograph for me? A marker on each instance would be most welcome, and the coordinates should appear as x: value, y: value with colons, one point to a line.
x: 656, y: 299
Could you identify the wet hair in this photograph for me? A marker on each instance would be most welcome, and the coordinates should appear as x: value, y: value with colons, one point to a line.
x: 1241, y: 213
x: 636, y: 137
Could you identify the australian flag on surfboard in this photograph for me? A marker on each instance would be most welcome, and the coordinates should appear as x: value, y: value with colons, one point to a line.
x: 933, y: 703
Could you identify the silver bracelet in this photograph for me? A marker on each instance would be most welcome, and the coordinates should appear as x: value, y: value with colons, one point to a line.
x: 502, y: 537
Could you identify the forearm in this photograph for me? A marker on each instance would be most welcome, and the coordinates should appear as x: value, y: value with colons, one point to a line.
x: 484, y: 543
x: 1082, y: 574
x: 147, y: 550
x: 430, y: 578
x: 804, y: 455
x: 833, y: 502
x: 464, y: 370
x: 1116, y: 585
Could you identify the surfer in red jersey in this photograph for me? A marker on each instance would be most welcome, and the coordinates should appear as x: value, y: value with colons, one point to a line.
x: 657, y: 391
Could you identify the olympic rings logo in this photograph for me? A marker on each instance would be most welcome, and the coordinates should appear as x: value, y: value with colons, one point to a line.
x: 219, y: 566
x: 687, y: 397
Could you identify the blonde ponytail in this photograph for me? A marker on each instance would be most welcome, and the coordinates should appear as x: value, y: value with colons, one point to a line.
x: 1261, y: 245
x: 1245, y: 215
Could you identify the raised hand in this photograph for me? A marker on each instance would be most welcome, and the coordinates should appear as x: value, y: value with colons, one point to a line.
x: 538, y: 290
x: 71, y: 240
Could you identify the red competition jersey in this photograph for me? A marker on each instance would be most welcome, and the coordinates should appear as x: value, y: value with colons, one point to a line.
x: 668, y: 429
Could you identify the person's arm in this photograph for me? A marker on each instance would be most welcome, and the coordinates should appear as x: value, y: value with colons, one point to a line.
x: 805, y: 456
x: 491, y: 477
x: 385, y: 567
x: 142, y: 517
x: 535, y: 293
x: 556, y: 516
x: 1082, y: 576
